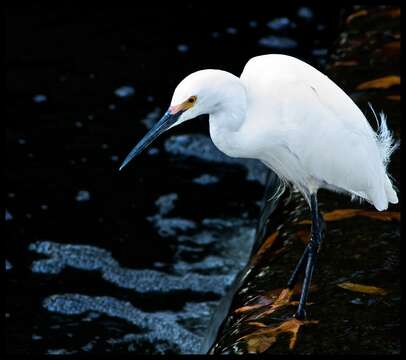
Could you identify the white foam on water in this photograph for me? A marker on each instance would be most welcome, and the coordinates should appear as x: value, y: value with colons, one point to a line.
x: 280, y: 23
x: 160, y: 326
x: 39, y: 98
x: 92, y: 258
x: 278, y: 42
x: 125, y: 91
x: 8, y: 265
x: 206, y: 179
x: 8, y: 216
x: 183, y: 48
x: 82, y: 195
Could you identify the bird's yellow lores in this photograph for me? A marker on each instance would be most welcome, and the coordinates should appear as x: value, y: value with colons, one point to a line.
x: 183, y: 106
x: 300, y: 124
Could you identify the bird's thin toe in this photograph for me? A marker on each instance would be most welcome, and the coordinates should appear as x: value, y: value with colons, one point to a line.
x: 300, y: 315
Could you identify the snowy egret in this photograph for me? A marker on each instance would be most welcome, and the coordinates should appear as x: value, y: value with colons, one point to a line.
x: 300, y: 124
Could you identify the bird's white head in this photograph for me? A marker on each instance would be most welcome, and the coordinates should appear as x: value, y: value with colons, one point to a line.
x: 202, y: 92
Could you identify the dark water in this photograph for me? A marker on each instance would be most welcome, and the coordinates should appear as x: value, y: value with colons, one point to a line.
x: 137, y: 261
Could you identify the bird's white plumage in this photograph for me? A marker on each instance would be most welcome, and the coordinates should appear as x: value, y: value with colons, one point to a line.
x: 298, y: 122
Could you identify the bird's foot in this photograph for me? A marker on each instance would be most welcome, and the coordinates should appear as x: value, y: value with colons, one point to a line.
x: 300, y: 315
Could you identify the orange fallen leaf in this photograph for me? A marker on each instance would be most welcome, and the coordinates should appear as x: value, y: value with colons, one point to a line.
x: 345, y: 63
x: 340, y: 214
x: 303, y: 235
x: 282, y: 300
x: 393, y: 45
x: 394, y: 97
x: 260, y: 301
x: 366, y: 289
x: 246, y: 308
x: 393, y: 12
x: 390, y: 50
x: 278, y: 251
x: 267, y: 244
x: 280, y: 293
x: 336, y: 215
x: 296, y: 303
x: 380, y: 83
x: 383, y: 215
x: 356, y: 15
x: 260, y: 340
x: 257, y: 324
x: 298, y: 288
x: 272, y: 301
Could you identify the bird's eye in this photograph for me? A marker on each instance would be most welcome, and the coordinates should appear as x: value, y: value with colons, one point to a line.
x: 192, y: 99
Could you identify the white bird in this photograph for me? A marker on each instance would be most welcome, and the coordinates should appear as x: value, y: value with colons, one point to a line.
x: 300, y: 124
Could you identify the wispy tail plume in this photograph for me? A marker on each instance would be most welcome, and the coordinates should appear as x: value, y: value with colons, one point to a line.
x: 386, y: 142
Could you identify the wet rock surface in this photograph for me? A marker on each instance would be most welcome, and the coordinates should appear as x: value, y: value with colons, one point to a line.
x: 355, y: 298
x: 137, y: 261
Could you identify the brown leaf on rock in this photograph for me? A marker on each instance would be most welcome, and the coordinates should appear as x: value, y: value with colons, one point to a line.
x: 257, y: 324
x: 393, y: 97
x: 393, y: 45
x: 389, y: 51
x: 393, y: 12
x: 345, y: 63
x: 380, y: 83
x: 335, y: 215
x: 267, y: 299
x: 365, y: 289
x: 246, y: 308
x: 260, y: 340
x: 383, y: 215
x: 303, y: 235
x: 356, y: 15
x: 298, y: 288
x: 265, y: 246
x: 341, y: 214
x: 282, y: 300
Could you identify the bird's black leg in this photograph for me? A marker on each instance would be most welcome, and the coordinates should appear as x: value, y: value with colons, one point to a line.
x: 311, y: 251
x: 300, y: 266
x: 298, y: 269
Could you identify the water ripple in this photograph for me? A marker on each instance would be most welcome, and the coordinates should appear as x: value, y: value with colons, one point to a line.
x: 92, y: 258
x: 160, y: 326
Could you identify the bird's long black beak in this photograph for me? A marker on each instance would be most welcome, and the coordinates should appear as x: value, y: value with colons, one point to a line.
x: 161, y: 126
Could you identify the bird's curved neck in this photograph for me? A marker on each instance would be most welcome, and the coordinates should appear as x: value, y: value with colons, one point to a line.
x: 225, y: 123
x: 230, y: 110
